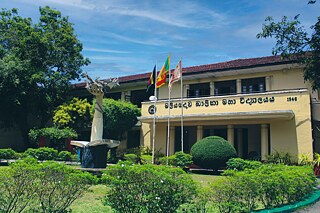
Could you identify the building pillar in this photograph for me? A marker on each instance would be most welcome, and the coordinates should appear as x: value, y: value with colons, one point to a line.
x: 172, y: 142
x: 268, y: 86
x: 125, y: 95
x: 185, y: 90
x: 199, y: 132
x: 231, y: 134
x: 240, y: 143
x: 264, y: 141
x: 239, y: 86
x: 211, y: 88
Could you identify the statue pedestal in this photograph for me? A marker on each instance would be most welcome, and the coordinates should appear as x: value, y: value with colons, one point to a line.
x: 94, y: 154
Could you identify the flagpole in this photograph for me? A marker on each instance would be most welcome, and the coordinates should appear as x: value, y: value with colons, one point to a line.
x: 154, y: 116
x: 169, y: 102
x: 181, y: 89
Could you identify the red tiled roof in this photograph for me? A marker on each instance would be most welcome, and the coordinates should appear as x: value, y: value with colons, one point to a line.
x: 222, y: 66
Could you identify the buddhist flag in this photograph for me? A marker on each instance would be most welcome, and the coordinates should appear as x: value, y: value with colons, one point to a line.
x: 152, y: 79
x: 162, y: 77
x: 176, y: 74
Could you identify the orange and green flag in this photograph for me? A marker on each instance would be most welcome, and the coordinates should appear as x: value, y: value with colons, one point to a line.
x: 162, y: 77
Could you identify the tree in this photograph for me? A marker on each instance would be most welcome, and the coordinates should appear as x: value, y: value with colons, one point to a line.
x: 74, y: 114
x: 37, y: 63
x: 118, y: 117
x: 293, y: 42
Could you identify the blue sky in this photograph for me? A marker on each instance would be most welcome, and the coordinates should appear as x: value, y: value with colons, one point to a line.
x: 126, y: 37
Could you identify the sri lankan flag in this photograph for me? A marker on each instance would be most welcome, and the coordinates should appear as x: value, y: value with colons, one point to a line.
x: 162, y: 77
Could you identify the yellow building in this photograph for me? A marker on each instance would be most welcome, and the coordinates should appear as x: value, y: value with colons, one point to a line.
x: 260, y: 105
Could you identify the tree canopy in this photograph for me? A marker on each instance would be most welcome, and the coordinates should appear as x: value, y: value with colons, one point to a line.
x: 37, y: 63
x: 294, y: 42
x: 118, y: 117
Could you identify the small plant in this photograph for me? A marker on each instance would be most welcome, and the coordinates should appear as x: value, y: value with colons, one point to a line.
x: 280, y: 158
x: 316, y: 163
x: 212, y: 152
x: 304, y: 160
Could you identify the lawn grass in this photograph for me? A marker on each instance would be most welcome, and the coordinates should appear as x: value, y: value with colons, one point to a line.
x: 92, y: 201
x: 205, y: 179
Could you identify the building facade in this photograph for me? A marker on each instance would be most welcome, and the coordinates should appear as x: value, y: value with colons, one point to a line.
x: 260, y: 105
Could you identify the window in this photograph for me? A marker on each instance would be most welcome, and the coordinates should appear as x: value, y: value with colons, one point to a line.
x: 252, y: 85
x: 138, y: 96
x: 225, y: 87
x: 199, y: 90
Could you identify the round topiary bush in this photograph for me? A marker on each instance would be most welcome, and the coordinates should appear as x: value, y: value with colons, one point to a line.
x: 212, y: 152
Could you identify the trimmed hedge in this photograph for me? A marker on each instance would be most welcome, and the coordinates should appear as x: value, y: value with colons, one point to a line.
x: 240, y: 164
x: 6, y: 154
x: 269, y: 186
x: 43, y: 153
x: 147, y: 188
x: 179, y: 159
x: 212, y: 152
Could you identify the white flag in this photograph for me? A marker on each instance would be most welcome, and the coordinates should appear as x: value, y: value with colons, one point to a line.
x: 176, y: 74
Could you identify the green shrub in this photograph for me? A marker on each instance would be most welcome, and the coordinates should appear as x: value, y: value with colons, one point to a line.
x: 7, y: 154
x: 41, y: 187
x: 146, y: 159
x: 133, y: 158
x: 56, y: 136
x: 59, y: 185
x: 17, y: 183
x: 179, y: 159
x: 269, y: 185
x: 240, y: 164
x: 43, y: 153
x: 65, y: 156
x: 212, y: 152
x: 147, y: 188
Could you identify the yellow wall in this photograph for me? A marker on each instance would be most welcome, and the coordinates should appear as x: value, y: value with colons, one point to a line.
x: 288, y: 132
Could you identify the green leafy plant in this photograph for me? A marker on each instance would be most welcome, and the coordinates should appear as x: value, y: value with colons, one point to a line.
x: 304, y: 160
x: 212, y: 152
x: 316, y: 163
x: 280, y: 158
x: 147, y: 188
